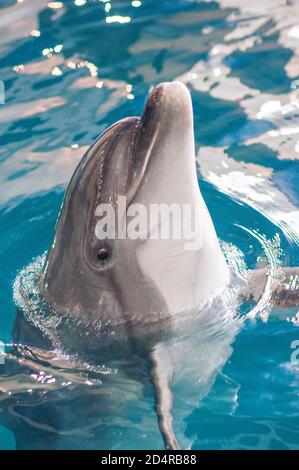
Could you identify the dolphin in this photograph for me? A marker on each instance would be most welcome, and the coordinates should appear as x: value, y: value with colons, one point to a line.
x: 130, y: 285
x: 150, y: 160
x: 116, y: 296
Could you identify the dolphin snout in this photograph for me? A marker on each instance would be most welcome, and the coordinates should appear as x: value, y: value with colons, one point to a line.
x: 174, y: 89
x: 169, y: 106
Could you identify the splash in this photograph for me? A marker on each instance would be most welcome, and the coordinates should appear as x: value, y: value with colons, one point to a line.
x: 273, y: 253
x: 27, y: 297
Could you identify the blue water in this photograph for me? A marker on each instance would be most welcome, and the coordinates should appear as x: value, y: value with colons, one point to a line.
x: 69, y: 71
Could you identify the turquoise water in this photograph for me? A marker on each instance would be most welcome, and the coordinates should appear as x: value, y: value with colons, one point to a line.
x: 70, y: 69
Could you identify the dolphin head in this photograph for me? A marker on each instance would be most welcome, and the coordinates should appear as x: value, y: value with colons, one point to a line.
x: 136, y: 165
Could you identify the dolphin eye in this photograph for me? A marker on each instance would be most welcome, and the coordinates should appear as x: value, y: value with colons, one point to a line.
x: 103, y: 254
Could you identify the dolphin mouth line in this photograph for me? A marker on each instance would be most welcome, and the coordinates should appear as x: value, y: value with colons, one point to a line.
x: 141, y: 150
x: 138, y: 174
x: 143, y: 139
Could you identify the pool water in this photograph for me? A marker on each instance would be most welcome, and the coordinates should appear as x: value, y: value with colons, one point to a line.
x: 72, y: 68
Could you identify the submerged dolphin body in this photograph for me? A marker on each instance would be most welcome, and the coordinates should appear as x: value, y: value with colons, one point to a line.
x: 124, y: 297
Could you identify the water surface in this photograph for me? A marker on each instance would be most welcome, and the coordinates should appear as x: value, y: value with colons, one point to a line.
x: 71, y: 69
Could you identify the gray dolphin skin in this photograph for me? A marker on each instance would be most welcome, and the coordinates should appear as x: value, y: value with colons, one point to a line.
x: 121, y: 294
